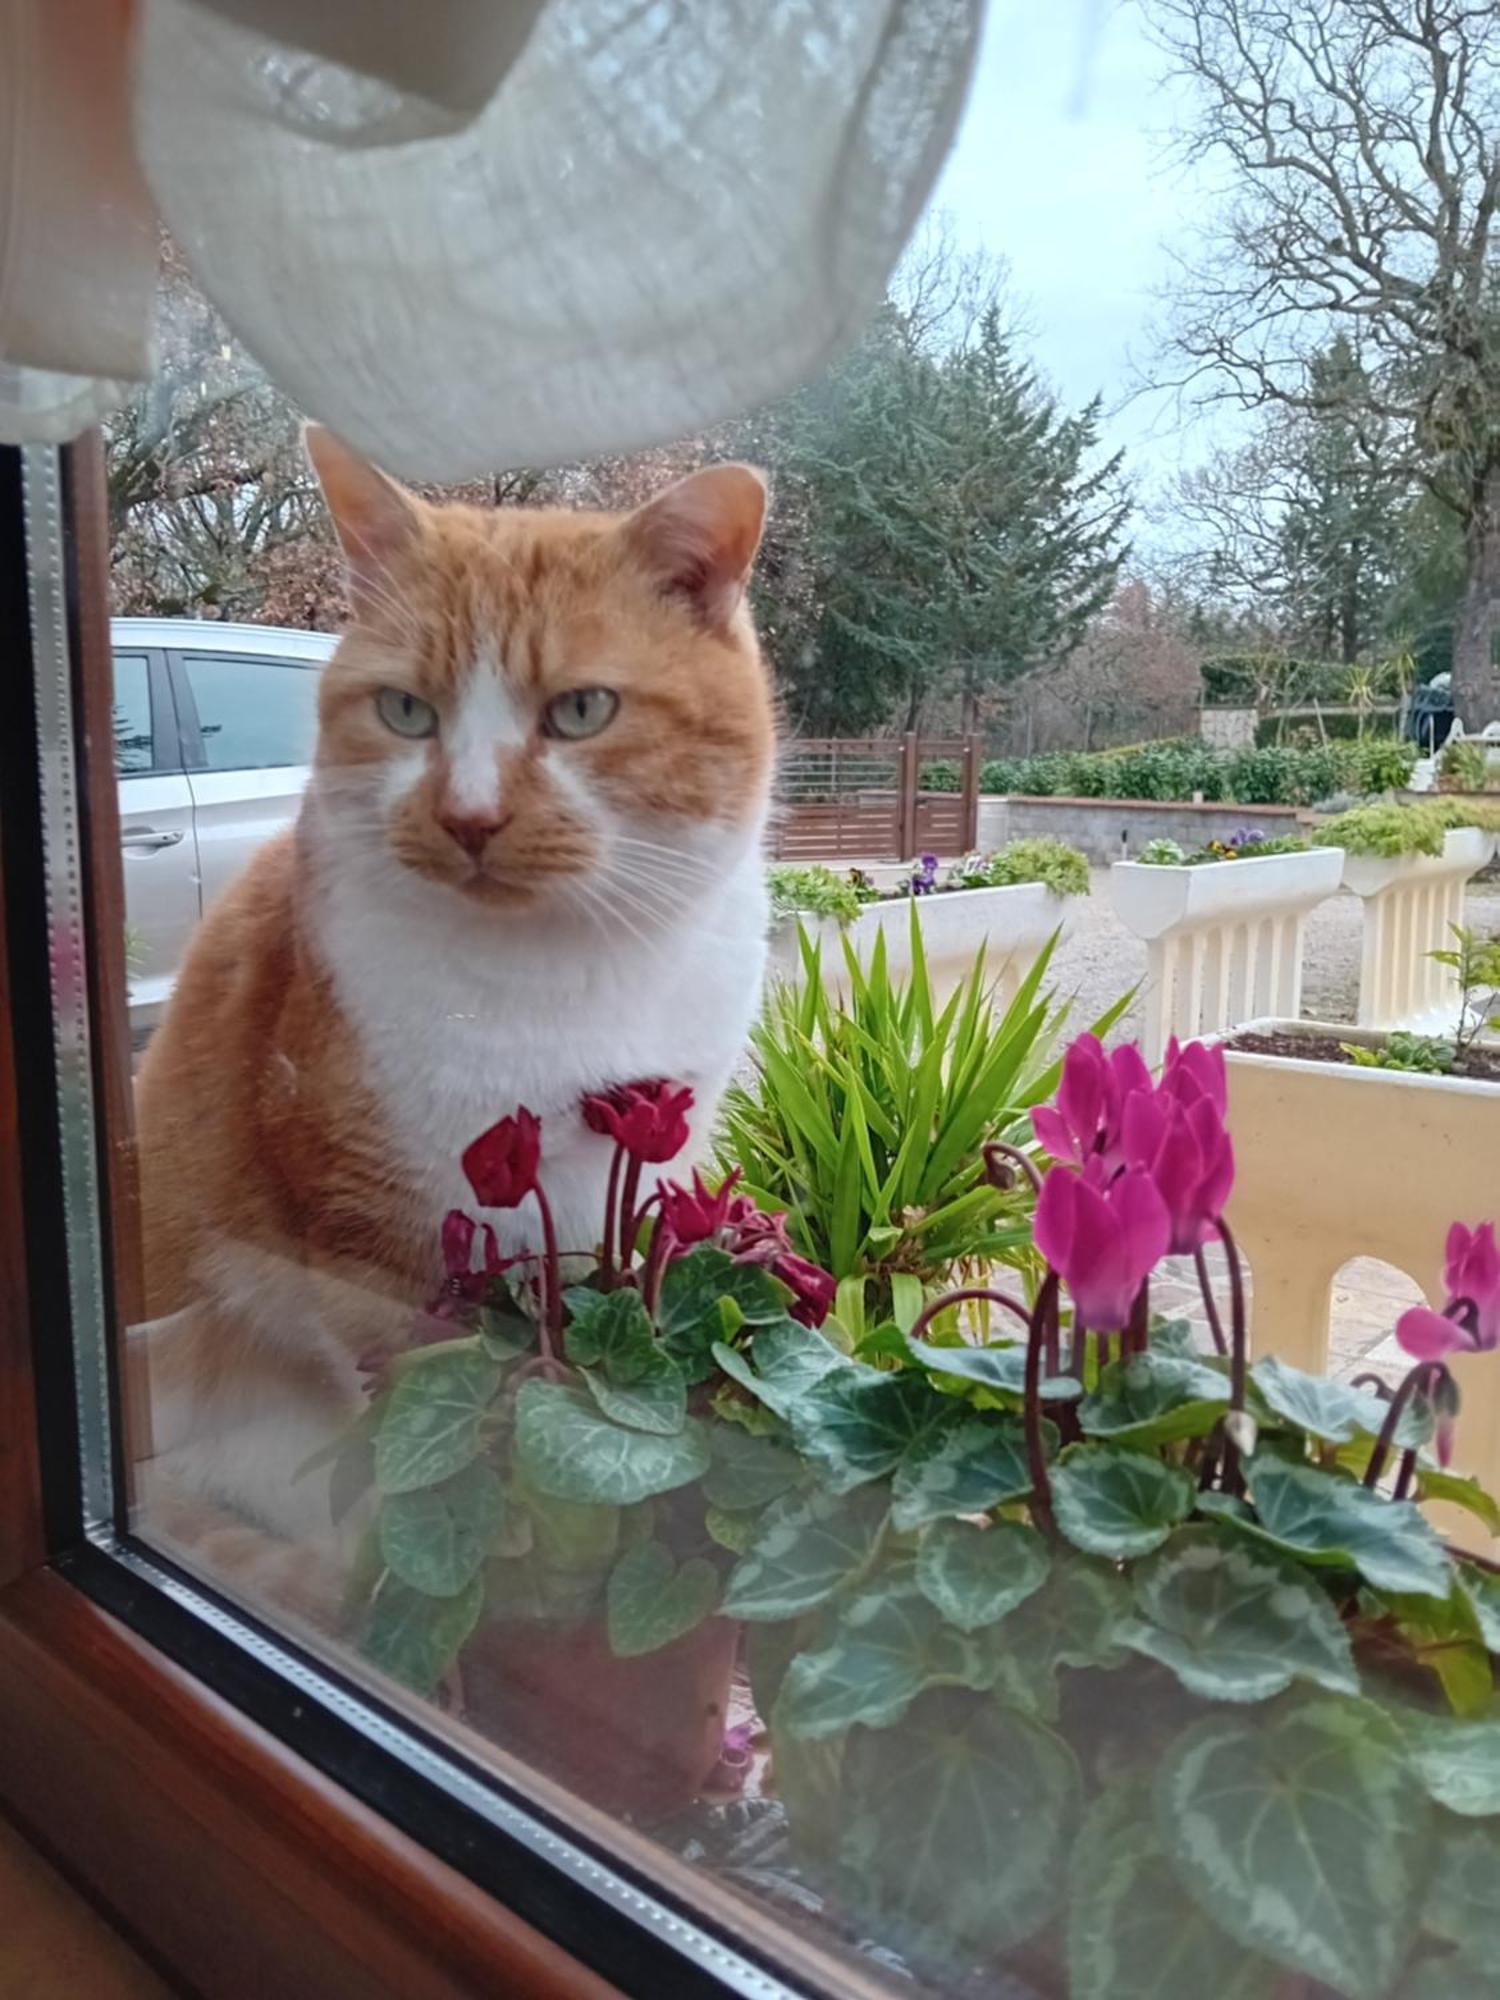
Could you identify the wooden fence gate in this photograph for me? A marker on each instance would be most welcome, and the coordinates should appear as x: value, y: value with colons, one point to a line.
x: 862, y: 798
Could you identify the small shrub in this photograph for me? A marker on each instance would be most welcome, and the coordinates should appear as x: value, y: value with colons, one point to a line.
x: 1464, y: 765
x: 941, y: 775
x: 1052, y: 862
x: 1180, y: 768
x: 1382, y: 764
x: 1428, y: 1055
x: 813, y: 891
x: 1385, y: 829
x: 1163, y: 853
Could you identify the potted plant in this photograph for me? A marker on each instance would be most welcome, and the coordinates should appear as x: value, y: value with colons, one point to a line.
x: 1008, y: 902
x: 554, y: 1495
x: 1119, y: 1666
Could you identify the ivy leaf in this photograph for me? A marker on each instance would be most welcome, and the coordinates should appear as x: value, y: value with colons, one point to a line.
x: 569, y: 1450
x: 808, y: 1547
x: 974, y: 1575
x: 1463, y: 1905
x: 1119, y: 1503
x: 688, y: 1311
x: 436, y: 1539
x: 415, y: 1638
x: 1000, y: 1366
x: 1458, y: 1762
x: 654, y: 1399
x: 1303, y: 1839
x: 956, y: 1823
x: 430, y: 1428
x: 888, y: 1646
x: 788, y: 1360
x: 1155, y: 1398
x: 857, y: 1427
x: 1325, y: 1517
x: 1459, y: 1492
x: 1323, y: 1408
x: 1235, y: 1623
x: 609, y: 1330
x: 651, y: 1600
x: 1073, y: 1620
x: 747, y: 1471
x: 1134, y: 1932
x: 967, y: 1469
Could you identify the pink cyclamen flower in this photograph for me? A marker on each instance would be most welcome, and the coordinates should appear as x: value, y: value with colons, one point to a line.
x: 1194, y: 1071
x: 1188, y: 1154
x: 1103, y: 1238
x: 1086, y: 1118
x: 1470, y: 1321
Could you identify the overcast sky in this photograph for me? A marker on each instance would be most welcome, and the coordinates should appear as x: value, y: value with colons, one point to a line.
x: 1059, y: 168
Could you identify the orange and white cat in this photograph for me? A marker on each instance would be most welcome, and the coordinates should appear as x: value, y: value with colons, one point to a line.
x: 528, y: 865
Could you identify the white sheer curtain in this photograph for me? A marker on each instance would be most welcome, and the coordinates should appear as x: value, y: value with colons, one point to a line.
x: 473, y: 233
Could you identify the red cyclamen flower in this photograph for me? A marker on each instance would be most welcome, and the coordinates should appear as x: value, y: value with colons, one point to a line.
x: 464, y: 1280
x: 1470, y: 1321
x: 698, y: 1214
x: 751, y: 1236
x: 1103, y: 1238
x: 502, y: 1162
x: 1187, y: 1152
x: 648, y: 1119
x: 1090, y: 1095
x: 814, y: 1289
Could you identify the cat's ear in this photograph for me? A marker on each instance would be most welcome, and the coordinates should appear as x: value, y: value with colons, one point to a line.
x: 699, y: 537
x: 377, y: 521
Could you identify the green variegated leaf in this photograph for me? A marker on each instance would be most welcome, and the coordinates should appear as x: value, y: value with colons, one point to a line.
x: 1236, y: 1623
x: 609, y: 1330
x: 1482, y: 1588
x: 1073, y: 1620
x: 785, y: 1361
x: 437, y: 1538
x: 1459, y: 1492
x: 1176, y: 1336
x: 1111, y: 1502
x: 505, y: 1334
x: 1134, y: 1932
x: 888, y: 1646
x: 415, y: 1638
x: 974, y: 1575
x: 654, y: 1399
x: 747, y: 1471
x: 735, y: 1532
x: 430, y: 1428
x: 1443, y: 1635
x: 808, y: 1547
x: 1458, y: 1762
x: 1303, y: 1838
x: 955, y: 1825
x: 688, y: 1312
x: 1325, y: 1517
x: 976, y: 1464
x: 857, y: 1427
x: 1323, y: 1408
x: 1463, y: 1901
x: 569, y: 1450
x: 1155, y: 1398
x: 652, y: 1600
x: 1000, y: 1366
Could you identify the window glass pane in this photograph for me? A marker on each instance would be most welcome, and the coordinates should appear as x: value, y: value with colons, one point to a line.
x: 253, y: 714
x: 134, y: 745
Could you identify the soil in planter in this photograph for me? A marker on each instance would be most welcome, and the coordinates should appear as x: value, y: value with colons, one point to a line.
x: 1478, y: 1066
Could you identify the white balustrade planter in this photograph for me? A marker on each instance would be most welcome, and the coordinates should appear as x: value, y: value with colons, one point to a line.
x: 1012, y: 923
x: 1223, y: 940
x: 1411, y: 903
x: 1333, y: 1161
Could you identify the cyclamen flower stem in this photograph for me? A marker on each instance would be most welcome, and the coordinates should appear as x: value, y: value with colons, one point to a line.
x: 611, y: 1214
x: 552, y: 1302
x: 930, y: 1311
x: 656, y: 1263
x: 1231, y: 1480
x: 1210, y: 1304
x: 1043, y: 1327
x: 1002, y: 1162
x: 1405, y: 1473
x: 1416, y: 1378
x: 627, y: 1214
x: 1137, y: 1336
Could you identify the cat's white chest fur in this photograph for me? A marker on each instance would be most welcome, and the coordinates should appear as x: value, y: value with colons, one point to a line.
x: 464, y: 1014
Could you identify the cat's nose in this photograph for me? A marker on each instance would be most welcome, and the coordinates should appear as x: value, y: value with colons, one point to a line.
x: 473, y: 831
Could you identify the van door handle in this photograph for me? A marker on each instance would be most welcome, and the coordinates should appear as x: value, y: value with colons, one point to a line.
x: 147, y: 837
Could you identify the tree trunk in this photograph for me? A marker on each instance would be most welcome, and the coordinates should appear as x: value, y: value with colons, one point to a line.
x: 1476, y: 679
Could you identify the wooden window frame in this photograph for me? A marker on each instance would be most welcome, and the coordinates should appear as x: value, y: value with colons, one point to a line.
x: 252, y: 1843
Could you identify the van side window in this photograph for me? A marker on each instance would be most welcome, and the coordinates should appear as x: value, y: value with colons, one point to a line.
x: 254, y: 715
x: 135, y: 744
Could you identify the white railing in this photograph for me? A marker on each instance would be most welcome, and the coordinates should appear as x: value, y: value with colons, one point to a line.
x: 1224, y: 941
x: 1412, y: 902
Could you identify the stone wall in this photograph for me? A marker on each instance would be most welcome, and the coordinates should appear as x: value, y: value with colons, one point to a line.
x: 1117, y: 829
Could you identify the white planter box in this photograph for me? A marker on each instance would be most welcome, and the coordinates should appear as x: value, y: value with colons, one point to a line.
x: 1411, y: 903
x: 1224, y: 940
x: 1013, y: 924
x: 1334, y: 1161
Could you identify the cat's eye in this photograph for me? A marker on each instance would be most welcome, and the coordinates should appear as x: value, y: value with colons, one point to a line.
x: 580, y: 712
x: 407, y: 714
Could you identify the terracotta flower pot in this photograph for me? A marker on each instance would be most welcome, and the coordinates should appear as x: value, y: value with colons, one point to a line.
x: 638, y: 1736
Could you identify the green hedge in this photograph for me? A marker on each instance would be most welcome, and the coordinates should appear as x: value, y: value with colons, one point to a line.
x: 1174, y: 770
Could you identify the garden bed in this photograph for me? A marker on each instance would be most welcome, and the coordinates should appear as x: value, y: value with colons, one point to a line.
x: 1481, y: 1065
